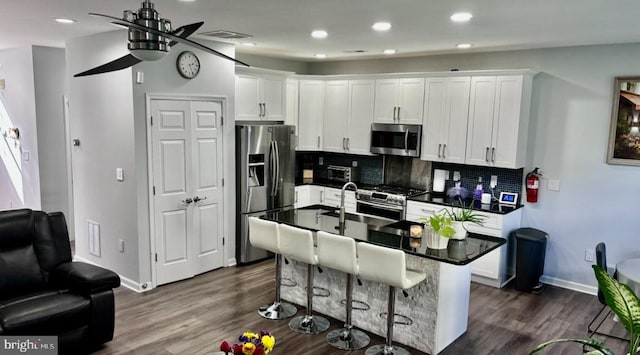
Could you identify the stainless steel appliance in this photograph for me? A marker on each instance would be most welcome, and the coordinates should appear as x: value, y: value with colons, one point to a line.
x: 343, y: 173
x: 396, y: 139
x: 265, y: 159
x: 385, y: 201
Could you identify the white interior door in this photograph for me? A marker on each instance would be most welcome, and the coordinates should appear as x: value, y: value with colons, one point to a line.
x: 187, y: 170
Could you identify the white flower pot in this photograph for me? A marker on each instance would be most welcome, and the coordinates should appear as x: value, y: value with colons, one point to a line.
x: 434, y: 240
x: 461, y: 233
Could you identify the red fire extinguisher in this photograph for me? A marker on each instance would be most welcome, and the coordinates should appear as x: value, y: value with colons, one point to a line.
x: 533, y: 185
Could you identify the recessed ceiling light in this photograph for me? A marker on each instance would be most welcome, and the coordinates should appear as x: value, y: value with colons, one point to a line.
x: 381, y: 26
x: 463, y: 45
x: 319, y: 34
x: 320, y: 55
x: 461, y: 17
x: 248, y: 44
x: 390, y: 51
x: 64, y: 20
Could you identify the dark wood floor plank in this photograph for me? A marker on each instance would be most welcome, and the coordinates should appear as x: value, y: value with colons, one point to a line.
x: 195, y: 315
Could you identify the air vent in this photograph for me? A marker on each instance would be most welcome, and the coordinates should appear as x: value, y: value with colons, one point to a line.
x: 224, y: 34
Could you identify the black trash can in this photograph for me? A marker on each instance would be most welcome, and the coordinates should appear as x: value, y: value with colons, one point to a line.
x: 531, y: 245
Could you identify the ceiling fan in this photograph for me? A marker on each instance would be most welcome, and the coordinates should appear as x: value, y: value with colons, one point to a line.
x: 150, y: 38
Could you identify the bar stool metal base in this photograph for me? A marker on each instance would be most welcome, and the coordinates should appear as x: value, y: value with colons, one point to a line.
x: 385, y: 350
x: 277, y: 311
x: 309, y: 324
x: 348, y: 339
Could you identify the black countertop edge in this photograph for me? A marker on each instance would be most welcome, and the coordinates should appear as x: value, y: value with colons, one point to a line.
x: 493, y: 207
x: 335, y: 185
x: 441, y: 255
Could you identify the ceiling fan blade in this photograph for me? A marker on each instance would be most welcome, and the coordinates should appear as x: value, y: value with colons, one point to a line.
x: 185, y: 31
x: 135, y: 26
x: 117, y: 64
x: 129, y: 60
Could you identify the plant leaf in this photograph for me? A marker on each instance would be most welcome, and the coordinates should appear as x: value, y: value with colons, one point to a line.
x: 596, y: 344
x: 621, y: 299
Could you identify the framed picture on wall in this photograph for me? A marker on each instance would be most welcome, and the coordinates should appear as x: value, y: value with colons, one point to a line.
x: 624, y: 133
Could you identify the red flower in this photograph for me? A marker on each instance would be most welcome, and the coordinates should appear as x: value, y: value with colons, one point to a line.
x: 237, y: 349
x: 259, y: 351
x: 225, y: 346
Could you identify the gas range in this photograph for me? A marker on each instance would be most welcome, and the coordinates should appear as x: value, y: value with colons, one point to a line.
x: 387, y: 194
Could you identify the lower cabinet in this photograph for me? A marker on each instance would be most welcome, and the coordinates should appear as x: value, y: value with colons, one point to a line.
x: 496, y: 268
x: 307, y: 195
x: 332, y: 198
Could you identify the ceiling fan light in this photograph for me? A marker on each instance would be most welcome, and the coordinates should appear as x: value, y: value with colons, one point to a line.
x: 148, y: 54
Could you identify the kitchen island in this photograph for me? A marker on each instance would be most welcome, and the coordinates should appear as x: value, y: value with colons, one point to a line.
x: 436, y: 310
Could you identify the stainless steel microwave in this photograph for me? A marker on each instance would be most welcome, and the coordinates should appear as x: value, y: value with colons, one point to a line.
x: 396, y: 139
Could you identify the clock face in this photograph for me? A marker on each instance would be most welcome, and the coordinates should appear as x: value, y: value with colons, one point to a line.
x: 188, y: 65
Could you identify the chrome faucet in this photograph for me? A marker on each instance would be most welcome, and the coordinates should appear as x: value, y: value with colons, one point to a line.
x: 341, y: 218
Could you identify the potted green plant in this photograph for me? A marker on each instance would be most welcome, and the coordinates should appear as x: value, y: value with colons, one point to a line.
x: 460, y: 215
x: 624, y: 303
x: 438, y: 230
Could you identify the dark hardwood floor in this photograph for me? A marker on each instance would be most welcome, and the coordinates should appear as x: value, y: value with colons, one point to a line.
x: 194, y: 316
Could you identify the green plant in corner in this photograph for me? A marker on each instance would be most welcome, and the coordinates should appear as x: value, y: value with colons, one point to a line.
x: 440, y: 223
x: 624, y: 303
x: 465, y: 214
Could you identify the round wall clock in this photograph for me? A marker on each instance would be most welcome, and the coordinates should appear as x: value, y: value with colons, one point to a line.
x: 188, y: 65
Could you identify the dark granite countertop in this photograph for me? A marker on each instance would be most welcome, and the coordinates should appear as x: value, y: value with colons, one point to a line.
x: 443, y: 200
x: 387, y: 233
x: 333, y: 184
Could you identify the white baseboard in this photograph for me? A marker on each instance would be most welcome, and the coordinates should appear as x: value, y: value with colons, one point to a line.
x: 232, y: 262
x: 124, y: 281
x: 588, y: 289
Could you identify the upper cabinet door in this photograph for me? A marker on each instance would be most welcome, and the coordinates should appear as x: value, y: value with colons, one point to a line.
x: 311, y: 101
x: 457, y: 113
x: 248, y: 95
x: 507, y: 121
x: 361, y: 97
x: 435, y: 119
x: 410, y: 100
x: 273, y: 98
x: 386, y: 101
x: 480, y: 127
x: 291, y: 112
x: 260, y: 97
x: 336, y: 115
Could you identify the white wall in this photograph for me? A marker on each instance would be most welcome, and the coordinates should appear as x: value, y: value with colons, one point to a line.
x: 49, y: 76
x: 108, y: 115
x: 216, y: 78
x: 101, y: 117
x: 19, y: 98
x: 570, y: 117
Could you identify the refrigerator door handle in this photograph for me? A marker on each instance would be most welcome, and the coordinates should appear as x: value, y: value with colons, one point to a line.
x: 272, y: 168
x: 277, y: 149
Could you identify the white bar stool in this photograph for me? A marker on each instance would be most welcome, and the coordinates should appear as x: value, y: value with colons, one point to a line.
x: 297, y: 243
x: 339, y: 253
x: 387, y: 266
x: 264, y: 234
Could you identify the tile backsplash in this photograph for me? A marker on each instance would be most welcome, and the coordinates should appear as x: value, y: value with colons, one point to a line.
x: 371, y: 167
x: 509, y: 180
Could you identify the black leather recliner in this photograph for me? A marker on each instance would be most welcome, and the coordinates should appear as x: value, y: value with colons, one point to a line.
x: 42, y: 292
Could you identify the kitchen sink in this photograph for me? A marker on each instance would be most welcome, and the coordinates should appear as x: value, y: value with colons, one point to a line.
x: 371, y: 221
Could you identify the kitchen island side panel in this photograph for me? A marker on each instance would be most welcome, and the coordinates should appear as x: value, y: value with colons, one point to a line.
x: 438, y: 306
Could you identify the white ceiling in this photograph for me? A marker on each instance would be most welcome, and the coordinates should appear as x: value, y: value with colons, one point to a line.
x: 281, y: 27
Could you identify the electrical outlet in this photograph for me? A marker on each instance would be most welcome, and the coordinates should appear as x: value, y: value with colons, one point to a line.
x: 456, y: 176
x: 588, y: 255
x: 121, y: 245
x: 354, y: 163
x: 553, y: 185
x: 321, y: 161
x: 494, y: 181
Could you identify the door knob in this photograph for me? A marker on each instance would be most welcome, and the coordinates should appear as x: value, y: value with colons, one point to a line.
x: 198, y: 199
x: 187, y: 201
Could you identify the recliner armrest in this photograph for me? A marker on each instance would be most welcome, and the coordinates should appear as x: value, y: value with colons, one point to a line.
x: 85, y: 277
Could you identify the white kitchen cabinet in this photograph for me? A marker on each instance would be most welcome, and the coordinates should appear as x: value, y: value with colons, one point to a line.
x: 446, y: 111
x: 498, y: 120
x: 331, y: 197
x: 348, y: 115
x: 399, y: 100
x: 310, y: 114
x: 260, y: 97
x: 307, y: 195
x: 291, y: 112
x: 495, y: 268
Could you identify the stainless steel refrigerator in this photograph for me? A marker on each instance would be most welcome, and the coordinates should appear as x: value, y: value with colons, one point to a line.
x: 265, y: 174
